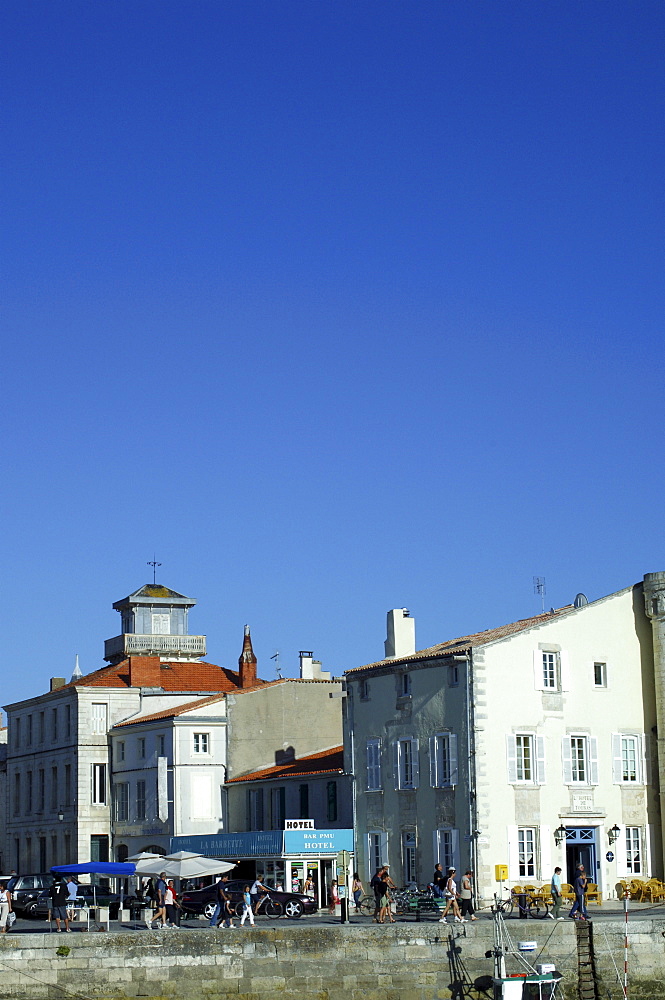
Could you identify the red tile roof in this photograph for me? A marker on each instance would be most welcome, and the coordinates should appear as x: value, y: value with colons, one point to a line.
x: 321, y: 762
x: 171, y: 713
x: 173, y: 676
x: 467, y: 642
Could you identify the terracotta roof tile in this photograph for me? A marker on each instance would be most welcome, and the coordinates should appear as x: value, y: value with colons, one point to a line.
x: 171, y: 713
x: 174, y: 676
x: 321, y: 762
x: 467, y: 642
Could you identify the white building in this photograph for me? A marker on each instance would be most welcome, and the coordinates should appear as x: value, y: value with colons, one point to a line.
x: 529, y: 745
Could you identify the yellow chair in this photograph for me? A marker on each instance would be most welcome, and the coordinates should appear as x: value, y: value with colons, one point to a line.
x: 653, y: 891
x: 567, y: 891
x: 593, y: 893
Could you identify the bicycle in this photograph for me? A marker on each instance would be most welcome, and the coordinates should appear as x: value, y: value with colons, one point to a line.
x: 269, y: 906
x: 527, y: 904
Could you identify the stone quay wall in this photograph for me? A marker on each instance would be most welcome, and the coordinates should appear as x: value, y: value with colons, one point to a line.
x: 349, y: 962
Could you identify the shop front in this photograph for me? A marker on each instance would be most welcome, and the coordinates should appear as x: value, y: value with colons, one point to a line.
x: 303, y: 860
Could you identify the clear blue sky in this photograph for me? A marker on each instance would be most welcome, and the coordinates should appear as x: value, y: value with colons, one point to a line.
x: 336, y: 307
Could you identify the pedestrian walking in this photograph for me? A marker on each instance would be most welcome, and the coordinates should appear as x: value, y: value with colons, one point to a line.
x: 385, y: 911
x: 333, y: 896
x: 58, y: 894
x: 578, y: 911
x: 160, y: 897
x: 450, y: 894
x: 171, y: 905
x: 72, y: 893
x: 357, y: 890
x: 5, y: 907
x: 557, y: 895
x: 466, y: 895
x: 246, y: 907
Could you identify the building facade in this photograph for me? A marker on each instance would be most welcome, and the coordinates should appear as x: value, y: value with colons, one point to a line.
x: 530, y: 745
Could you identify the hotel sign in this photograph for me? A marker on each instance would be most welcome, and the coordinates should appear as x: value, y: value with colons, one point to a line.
x: 298, y: 824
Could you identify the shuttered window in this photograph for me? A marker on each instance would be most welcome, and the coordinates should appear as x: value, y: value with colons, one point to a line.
x: 373, y: 750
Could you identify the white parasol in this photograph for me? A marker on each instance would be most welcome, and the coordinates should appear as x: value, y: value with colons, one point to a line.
x: 183, y: 864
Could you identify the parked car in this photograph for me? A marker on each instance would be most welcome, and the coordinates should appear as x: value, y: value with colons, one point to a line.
x: 26, y: 888
x: 291, y: 904
x: 86, y: 896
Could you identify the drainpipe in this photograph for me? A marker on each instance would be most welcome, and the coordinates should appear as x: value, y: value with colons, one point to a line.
x: 471, y: 770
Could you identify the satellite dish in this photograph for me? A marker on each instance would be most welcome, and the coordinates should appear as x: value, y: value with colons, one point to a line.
x: 580, y: 601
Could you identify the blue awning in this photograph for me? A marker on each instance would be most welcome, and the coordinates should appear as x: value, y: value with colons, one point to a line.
x: 117, y: 868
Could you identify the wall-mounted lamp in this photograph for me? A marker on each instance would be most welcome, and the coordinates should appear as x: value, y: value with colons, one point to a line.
x: 61, y: 815
x: 614, y: 834
x: 559, y: 835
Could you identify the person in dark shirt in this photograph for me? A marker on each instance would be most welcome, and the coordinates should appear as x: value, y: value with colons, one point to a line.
x: 579, y: 911
x: 438, y: 881
x: 58, y: 894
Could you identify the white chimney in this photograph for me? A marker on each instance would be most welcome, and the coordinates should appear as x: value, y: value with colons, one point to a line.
x: 310, y: 669
x: 401, y: 634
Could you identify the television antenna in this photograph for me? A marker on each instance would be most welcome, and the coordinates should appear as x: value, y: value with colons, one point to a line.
x: 153, y: 562
x: 539, y: 588
x: 278, y: 667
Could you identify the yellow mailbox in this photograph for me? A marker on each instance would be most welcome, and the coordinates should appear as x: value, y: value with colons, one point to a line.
x: 501, y: 873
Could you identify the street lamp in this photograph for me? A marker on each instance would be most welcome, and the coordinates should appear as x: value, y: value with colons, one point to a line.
x: 559, y: 835
x: 61, y: 814
x: 614, y: 833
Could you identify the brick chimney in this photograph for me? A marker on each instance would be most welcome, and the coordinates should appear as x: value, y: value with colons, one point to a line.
x: 247, y: 662
x: 145, y: 671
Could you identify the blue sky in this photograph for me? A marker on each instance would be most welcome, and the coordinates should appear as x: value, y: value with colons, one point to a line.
x: 335, y: 307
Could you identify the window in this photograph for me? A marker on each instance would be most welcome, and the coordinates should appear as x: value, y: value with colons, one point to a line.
x: 68, y: 720
x: 409, y: 857
x: 446, y: 843
x: 550, y: 671
x: 17, y: 794
x: 17, y: 732
x: 140, y: 799
x: 277, y: 807
x: 363, y: 687
x: 68, y: 784
x: 627, y: 759
x: 141, y: 747
x: 29, y: 736
x: 161, y: 746
x: 633, y: 851
x: 526, y: 758
x: 42, y: 854
x: 526, y: 853
x: 201, y: 742
x: 122, y: 802
x: 373, y: 750
x: 406, y: 765
x: 54, y: 723
x: 41, y: 790
x: 28, y: 793
x: 54, y: 849
x: 41, y: 727
x: 443, y: 760
x: 120, y: 750
x: 580, y: 760
x: 255, y: 809
x: 303, y: 795
x: 377, y: 850
x: 453, y: 675
x: 99, y: 717
x: 331, y: 801
x: 54, y: 788
x: 161, y: 624
x: 404, y: 685
x: 600, y: 675
x: 98, y: 785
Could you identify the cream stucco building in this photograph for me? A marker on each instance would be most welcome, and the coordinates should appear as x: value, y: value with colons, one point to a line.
x: 531, y: 745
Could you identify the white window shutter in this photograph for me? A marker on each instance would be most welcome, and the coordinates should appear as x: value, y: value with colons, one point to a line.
x: 433, y: 762
x: 647, y: 747
x: 545, y: 854
x: 396, y: 756
x: 617, y: 762
x: 538, y: 675
x: 415, y: 757
x: 567, y: 760
x: 619, y: 848
x: 564, y: 669
x: 540, y: 760
x: 593, y: 760
x: 646, y: 850
x: 641, y: 760
x: 452, y: 756
x: 511, y: 755
x: 454, y: 838
x: 384, y: 848
x: 436, y: 847
x: 513, y: 855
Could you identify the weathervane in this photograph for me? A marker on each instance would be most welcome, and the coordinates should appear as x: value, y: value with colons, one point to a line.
x: 154, y: 565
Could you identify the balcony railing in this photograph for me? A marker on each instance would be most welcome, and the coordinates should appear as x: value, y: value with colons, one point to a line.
x: 156, y: 645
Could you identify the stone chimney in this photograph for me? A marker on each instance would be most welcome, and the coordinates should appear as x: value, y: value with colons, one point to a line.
x: 654, y: 605
x: 310, y: 669
x: 145, y: 671
x: 247, y: 662
x: 401, y: 634
x: 57, y: 682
